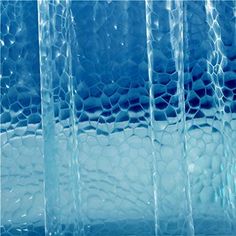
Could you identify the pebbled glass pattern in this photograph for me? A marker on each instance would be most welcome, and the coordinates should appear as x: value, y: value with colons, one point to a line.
x: 118, y: 117
x: 21, y: 131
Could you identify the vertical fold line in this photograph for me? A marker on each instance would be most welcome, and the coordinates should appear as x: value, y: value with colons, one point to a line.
x: 217, y: 75
x: 176, y: 23
x: 184, y: 117
x: 148, y: 10
x: 75, y: 170
x: 51, y: 187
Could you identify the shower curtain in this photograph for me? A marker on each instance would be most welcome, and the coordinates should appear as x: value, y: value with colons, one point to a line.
x: 118, y: 117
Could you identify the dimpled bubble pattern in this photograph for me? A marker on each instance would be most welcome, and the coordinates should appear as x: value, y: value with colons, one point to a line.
x: 118, y: 117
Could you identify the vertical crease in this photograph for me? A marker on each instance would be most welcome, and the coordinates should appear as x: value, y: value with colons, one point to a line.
x: 76, y: 191
x: 215, y: 35
x: 51, y: 188
x: 176, y: 19
x: 184, y: 116
x: 148, y: 9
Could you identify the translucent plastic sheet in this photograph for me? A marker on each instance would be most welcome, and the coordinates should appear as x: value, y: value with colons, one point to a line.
x: 118, y: 117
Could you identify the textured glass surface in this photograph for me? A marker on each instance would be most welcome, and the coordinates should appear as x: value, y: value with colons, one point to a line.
x: 118, y: 118
x: 21, y: 131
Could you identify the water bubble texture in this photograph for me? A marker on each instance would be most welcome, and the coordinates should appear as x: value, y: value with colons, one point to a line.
x: 118, y: 118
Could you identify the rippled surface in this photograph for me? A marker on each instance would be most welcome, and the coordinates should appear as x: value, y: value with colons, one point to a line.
x: 138, y: 110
